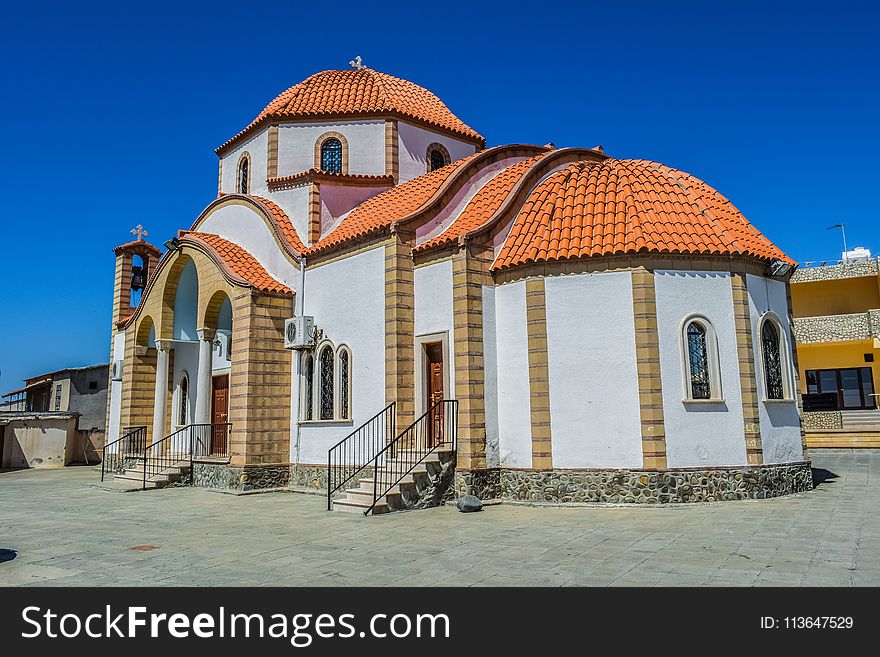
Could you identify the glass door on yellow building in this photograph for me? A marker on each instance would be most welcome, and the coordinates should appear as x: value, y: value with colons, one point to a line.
x: 853, y: 386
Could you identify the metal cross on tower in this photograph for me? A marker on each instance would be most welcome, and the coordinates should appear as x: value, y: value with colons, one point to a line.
x: 357, y: 63
x: 140, y: 232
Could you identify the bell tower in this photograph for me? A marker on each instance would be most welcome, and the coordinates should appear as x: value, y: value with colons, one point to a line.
x: 135, y: 262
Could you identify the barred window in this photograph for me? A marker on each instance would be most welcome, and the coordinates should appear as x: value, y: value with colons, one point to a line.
x: 325, y: 362
x: 698, y: 361
x: 244, y: 175
x: 331, y: 156
x: 770, y: 346
x: 437, y: 160
x: 308, y: 372
x: 344, y: 378
x: 182, y: 399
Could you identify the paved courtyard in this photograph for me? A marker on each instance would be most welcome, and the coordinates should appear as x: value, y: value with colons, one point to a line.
x: 57, y: 529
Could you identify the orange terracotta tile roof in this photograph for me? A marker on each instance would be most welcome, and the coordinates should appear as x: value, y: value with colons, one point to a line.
x: 360, y: 92
x: 240, y: 263
x: 319, y: 175
x: 484, y: 204
x: 286, y: 226
x: 381, y: 211
x: 627, y: 206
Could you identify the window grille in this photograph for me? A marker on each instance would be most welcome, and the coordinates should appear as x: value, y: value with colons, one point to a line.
x: 326, y: 390
x: 343, y: 384
x: 437, y: 160
x: 243, y: 175
x: 308, y: 378
x: 698, y: 359
x: 772, y: 361
x: 331, y: 156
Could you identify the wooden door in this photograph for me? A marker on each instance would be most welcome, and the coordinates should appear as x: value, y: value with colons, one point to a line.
x: 434, y: 391
x: 219, y: 413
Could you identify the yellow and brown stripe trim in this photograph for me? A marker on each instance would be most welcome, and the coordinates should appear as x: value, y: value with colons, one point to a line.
x: 747, y: 380
x: 539, y: 374
x: 648, y: 367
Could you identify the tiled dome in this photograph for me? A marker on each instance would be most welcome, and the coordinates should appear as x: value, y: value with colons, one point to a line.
x: 364, y: 92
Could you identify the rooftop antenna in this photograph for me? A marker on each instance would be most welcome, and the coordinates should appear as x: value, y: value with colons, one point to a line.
x: 357, y: 63
x: 843, y: 233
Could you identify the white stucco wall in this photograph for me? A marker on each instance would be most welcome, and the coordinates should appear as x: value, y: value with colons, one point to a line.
x: 243, y: 226
x: 594, y: 394
x: 295, y: 203
x: 780, y: 421
x: 115, y: 392
x: 699, y: 434
x: 514, y: 410
x: 412, y: 149
x: 186, y: 359
x: 257, y: 148
x: 366, y: 145
x: 490, y: 376
x: 347, y: 299
x: 432, y: 285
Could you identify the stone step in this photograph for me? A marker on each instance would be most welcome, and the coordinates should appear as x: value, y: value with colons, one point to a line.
x: 347, y: 506
x: 361, y: 494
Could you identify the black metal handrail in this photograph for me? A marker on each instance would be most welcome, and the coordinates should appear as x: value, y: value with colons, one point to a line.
x: 353, y: 453
x: 132, y: 441
x: 437, y: 427
x: 186, y: 444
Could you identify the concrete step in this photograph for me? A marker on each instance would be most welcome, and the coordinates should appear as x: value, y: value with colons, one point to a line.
x: 361, y: 494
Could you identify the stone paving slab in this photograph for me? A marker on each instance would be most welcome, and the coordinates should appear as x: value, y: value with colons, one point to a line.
x: 67, y: 531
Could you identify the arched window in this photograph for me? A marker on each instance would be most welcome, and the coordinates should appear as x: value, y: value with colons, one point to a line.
x: 438, y: 157
x: 344, y: 358
x: 774, y: 350
x: 331, y: 155
x: 325, y: 391
x: 182, y: 415
x: 244, y: 174
x: 308, y: 376
x: 700, y: 360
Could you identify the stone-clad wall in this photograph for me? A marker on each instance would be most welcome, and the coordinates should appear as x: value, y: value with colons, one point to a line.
x: 636, y: 487
x: 822, y: 420
x: 834, y: 328
x: 239, y: 479
x: 832, y: 272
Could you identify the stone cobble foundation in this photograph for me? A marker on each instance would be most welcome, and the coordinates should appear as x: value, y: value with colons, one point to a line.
x: 220, y: 476
x: 636, y: 486
x: 822, y: 420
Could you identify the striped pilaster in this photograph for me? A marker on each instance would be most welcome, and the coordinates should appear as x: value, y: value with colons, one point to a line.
x: 748, y: 381
x: 539, y: 374
x: 272, y: 152
x: 648, y: 368
x: 138, y: 385
x: 220, y: 177
x: 470, y: 272
x: 399, y: 328
x: 392, y: 158
x: 259, y: 381
x: 314, y: 213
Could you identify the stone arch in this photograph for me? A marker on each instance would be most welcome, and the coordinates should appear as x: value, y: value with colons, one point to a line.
x: 440, y: 148
x: 145, y: 333
x: 169, y: 291
x: 214, y: 315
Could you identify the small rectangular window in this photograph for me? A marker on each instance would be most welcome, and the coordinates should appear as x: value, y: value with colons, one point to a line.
x: 93, y: 385
x: 869, y: 358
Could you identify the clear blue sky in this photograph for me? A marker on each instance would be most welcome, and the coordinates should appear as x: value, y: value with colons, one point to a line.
x: 110, y: 114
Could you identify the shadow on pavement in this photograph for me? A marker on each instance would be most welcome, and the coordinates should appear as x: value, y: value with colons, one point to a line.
x: 821, y: 476
x: 7, y: 555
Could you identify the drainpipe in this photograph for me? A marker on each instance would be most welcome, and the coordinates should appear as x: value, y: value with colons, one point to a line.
x: 302, y: 307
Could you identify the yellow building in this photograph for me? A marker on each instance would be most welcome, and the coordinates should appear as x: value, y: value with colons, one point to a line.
x: 836, y: 311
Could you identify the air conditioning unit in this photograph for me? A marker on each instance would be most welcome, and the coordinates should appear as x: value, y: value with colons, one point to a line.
x: 116, y: 370
x: 299, y: 332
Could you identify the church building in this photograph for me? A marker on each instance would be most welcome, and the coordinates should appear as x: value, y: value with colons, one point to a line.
x: 380, y: 306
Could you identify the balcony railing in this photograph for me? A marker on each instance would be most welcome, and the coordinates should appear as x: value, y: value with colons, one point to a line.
x: 837, y: 328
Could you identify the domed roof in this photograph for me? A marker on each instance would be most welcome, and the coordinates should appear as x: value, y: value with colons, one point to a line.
x: 612, y: 207
x: 364, y: 92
